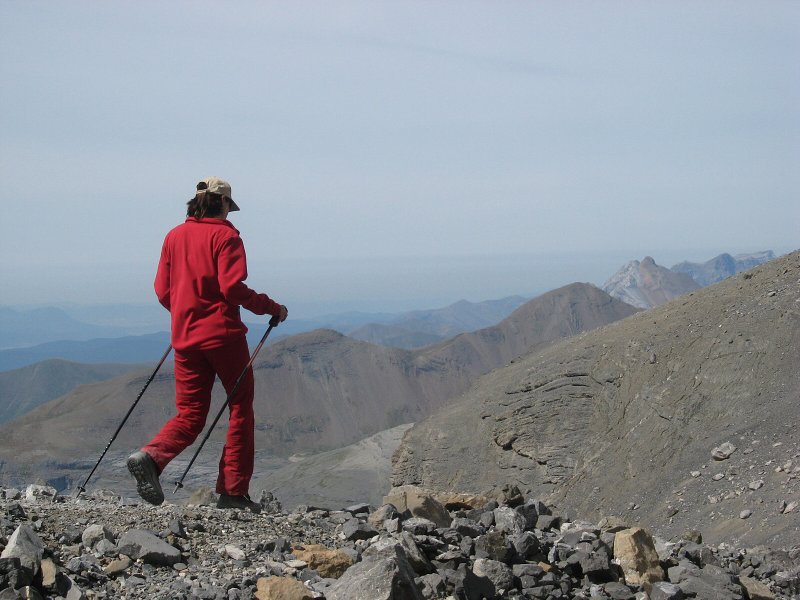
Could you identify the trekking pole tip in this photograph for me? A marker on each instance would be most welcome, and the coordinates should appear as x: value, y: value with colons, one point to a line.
x: 178, y: 485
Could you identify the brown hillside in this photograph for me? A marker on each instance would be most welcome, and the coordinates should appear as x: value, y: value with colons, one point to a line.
x: 630, y: 413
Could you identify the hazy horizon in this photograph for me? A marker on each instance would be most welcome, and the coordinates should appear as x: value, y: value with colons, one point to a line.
x: 394, y: 156
x: 426, y: 283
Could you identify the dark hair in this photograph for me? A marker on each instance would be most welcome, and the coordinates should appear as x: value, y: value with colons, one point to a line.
x: 204, y: 204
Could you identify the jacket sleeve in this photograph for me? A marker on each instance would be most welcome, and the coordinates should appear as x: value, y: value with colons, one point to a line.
x: 162, y: 281
x: 231, y: 273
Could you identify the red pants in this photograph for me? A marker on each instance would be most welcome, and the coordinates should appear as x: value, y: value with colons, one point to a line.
x: 195, y: 371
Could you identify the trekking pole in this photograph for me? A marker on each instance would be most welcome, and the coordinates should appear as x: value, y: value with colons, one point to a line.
x: 273, y: 323
x: 82, y: 488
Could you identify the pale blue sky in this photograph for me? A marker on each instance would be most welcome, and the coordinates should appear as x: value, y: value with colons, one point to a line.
x: 392, y: 155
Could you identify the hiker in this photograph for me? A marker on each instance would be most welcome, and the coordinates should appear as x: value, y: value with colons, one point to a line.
x: 200, y: 281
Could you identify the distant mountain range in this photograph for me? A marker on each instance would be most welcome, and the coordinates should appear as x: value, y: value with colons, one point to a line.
x: 20, y: 328
x: 420, y: 328
x: 315, y: 391
x: 646, y: 284
x: 412, y: 329
x: 722, y: 266
x: 130, y: 349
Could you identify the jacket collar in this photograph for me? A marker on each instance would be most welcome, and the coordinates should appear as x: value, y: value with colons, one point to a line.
x: 212, y: 221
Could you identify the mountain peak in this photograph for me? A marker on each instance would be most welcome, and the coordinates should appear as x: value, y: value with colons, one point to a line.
x: 646, y: 284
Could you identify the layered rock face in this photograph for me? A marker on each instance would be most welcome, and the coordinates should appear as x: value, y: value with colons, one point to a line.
x: 624, y: 419
x: 645, y: 284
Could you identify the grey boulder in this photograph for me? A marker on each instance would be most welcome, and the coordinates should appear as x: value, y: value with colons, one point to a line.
x: 148, y: 547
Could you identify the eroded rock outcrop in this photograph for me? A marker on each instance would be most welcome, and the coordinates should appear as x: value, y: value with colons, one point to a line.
x: 626, y: 417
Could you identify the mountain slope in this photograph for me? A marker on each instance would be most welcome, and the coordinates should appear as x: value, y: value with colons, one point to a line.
x: 314, y: 392
x: 631, y: 412
x: 22, y: 390
x: 645, y: 284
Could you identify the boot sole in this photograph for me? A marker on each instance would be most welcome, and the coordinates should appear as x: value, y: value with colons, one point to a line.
x: 147, y: 484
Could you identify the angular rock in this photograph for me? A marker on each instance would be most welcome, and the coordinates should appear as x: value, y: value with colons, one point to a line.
x: 418, y: 561
x: 500, y: 574
x: 35, y: 493
x: 15, y: 511
x: 432, y: 586
x: 723, y: 451
x: 494, y: 546
x: 25, y: 545
x: 418, y: 503
x: 468, y: 586
x: 699, y: 554
x: 530, y: 511
x: 419, y: 526
x: 635, y: 550
x: 596, y: 566
x: 508, y: 520
x: 281, y: 588
x: 451, y: 559
x: 354, y: 530
x: 177, y: 529
x: 663, y: 590
x: 526, y: 545
x: 755, y: 590
x: 467, y: 527
x: 118, y: 566
x: 234, y: 552
x: 13, y: 575
x: 49, y: 572
x: 326, y: 562
x: 148, y: 547
x: 383, y: 513
x: 378, y: 576
x: 73, y: 591
x: 94, y: 533
x: 710, y: 583
x: 545, y: 522
x: 618, y: 591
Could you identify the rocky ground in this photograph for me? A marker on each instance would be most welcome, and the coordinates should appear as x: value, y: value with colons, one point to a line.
x: 103, y: 546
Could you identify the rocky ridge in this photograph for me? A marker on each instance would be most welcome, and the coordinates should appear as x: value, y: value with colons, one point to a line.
x: 413, y: 547
x: 624, y: 420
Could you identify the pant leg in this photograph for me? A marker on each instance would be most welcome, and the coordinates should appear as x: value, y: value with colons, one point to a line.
x: 236, y: 463
x: 194, y: 379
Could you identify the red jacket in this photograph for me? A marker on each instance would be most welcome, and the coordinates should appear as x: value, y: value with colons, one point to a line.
x: 200, y: 281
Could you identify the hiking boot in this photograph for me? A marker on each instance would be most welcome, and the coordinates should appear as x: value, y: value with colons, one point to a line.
x: 240, y: 502
x: 144, y: 470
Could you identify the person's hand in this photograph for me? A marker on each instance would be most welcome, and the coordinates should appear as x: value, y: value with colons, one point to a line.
x: 283, y: 314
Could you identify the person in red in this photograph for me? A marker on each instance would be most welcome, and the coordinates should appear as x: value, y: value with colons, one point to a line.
x: 200, y: 281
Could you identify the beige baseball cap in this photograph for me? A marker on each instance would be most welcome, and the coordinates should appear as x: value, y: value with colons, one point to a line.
x: 215, y: 185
